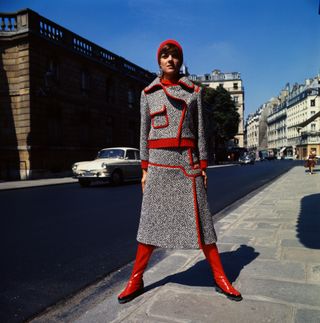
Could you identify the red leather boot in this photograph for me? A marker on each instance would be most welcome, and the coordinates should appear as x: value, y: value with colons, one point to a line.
x: 135, y: 284
x: 222, y: 283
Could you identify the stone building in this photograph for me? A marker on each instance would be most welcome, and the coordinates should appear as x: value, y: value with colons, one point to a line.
x: 232, y: 82
x: 303, y: 118
x: 256, y: 127
x: 294, y: 123
x: 62, y: 97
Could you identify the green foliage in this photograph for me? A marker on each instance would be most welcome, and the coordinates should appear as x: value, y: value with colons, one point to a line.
x: 221, y: 116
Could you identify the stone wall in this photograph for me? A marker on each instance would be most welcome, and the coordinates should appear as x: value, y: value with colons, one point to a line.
x: 63, y: 99
x: 15, y: 108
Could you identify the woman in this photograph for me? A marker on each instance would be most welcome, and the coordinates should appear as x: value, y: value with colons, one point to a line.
x: 311, y: 161
x: 175, y: 211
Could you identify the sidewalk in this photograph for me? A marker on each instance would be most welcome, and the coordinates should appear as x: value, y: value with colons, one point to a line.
x: 12, y: 185
x: 270, y: 247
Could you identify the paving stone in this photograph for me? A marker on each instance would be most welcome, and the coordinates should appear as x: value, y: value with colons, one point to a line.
x: 287, y: 234
x: 297, y: 243
x: 223, y: 247
x: 264, y: 241
x: 194, y: 307
x: 268, y: 226
x: 300, y: 254
x: 267, y: 252
x: 289, y: 292
x: 275, y: 270
x: 252, y: 233
x: 233, y: 239
x: 289, y: 225
x: 307, y: 316
x: 246, y: 225
x: 313, y: 272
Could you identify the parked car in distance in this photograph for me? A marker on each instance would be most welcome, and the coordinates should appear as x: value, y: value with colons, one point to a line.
x: 113, y: 165
x: 247, y: 159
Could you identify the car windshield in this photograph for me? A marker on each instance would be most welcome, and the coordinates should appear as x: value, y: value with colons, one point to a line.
x: 111, y: 153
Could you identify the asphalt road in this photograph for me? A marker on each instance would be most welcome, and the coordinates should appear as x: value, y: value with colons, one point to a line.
x: 56, y: 240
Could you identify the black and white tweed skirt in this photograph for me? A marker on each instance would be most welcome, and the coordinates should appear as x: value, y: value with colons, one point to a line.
x: 175, y: 211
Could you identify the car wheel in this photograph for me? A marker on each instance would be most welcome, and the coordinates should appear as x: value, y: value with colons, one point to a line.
x: 116, y: 177
x: 84, y: 182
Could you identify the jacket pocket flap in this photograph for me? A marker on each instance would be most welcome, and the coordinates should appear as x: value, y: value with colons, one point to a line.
x: 157, y: 111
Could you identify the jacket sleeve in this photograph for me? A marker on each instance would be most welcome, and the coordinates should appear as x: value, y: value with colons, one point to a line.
x: 202, y: 140
x: 144, y: 131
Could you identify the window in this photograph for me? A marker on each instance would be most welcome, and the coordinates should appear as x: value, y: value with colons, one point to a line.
x: 313, y: 127
x: 235, y: 86
x: 312, y: 103
x: 236, y: 99
x: 130, y: 155
x: 131, y: 98
x: 51, y: 77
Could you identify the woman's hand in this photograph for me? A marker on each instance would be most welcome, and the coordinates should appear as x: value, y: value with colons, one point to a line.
x: 205, y: 178
x: 144, y: 179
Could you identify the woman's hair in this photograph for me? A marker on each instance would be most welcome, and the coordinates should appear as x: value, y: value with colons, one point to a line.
x: 170, y: 49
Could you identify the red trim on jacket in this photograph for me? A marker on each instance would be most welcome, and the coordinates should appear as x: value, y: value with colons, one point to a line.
x: 163, y: 109
x: 184, y: 104
x: 196, y: 211
x: 175, y: 167
x: 164, y: 125
x: 171, y: 143
x: 203, y: 164
x: 191, y: 87
x: 151, y: 88
x: 144, y: 164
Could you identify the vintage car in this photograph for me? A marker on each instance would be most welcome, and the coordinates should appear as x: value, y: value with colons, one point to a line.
x: 113, y: 165
x: 247, y: 159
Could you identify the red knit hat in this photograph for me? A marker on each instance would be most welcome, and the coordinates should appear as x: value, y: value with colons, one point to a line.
x: 173, y: 42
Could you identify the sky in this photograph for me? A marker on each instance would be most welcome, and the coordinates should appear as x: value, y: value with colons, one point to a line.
x: 269, y: 42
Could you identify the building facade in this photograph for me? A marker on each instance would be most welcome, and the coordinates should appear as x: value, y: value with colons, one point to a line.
x: 257, y: 127
x: 232, y: 82
x: 62, y: 97
x: 294, y: 123
x: 303, y: 119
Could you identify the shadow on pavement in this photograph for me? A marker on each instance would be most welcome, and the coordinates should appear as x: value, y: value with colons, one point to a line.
x: 308, y: 223
x: 200, y: 274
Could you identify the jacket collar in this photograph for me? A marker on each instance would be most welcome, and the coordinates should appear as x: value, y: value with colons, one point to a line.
x: 156, y: 84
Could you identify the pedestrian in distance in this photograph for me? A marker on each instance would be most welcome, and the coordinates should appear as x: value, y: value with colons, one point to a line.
x: 311, y: 162
x: 175, y: 212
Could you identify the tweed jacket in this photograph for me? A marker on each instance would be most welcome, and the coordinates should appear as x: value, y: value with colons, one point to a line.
x: 171, y: 117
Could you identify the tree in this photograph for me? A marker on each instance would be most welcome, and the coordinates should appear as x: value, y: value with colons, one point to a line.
x: 221, y: 116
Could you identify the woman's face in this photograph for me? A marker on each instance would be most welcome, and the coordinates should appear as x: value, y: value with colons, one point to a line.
x: 170, y: 64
